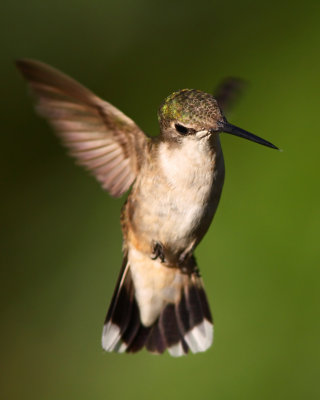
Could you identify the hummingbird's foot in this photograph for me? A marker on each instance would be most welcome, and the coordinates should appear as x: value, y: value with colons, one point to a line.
x: 183, y: 257
x: 190, y: 267
x: 158, y: 251
x: 186, y: 254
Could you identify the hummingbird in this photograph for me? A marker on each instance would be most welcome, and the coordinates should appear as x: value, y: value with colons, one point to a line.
x: 176, y: 179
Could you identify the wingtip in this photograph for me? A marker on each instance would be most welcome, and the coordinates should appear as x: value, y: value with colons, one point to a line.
x: 24, y: 65
x: 20, y: 62
x: 30, y: 67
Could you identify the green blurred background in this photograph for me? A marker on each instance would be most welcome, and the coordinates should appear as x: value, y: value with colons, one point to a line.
x: 61, y: 240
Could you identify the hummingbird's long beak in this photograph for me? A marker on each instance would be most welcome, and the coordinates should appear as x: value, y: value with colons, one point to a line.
x: 234, y: 130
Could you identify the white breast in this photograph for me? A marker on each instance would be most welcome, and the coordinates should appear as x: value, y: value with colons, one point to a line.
x: 189, y: 172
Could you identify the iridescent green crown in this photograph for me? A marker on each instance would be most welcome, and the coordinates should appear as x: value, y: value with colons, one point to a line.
x: 189, y: 106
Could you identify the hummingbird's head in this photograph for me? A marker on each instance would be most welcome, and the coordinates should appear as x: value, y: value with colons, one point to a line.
x: 189, y: 111
x: 195, y: 114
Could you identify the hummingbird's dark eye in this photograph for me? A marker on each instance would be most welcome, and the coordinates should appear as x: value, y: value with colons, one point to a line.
x: 181, y: 129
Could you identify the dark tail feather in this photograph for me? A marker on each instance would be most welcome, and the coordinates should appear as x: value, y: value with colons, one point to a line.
x: 122, y: 321
x: 194, y: 317
x: 180, y: 327
x: 139, y: 340
x: 187, y: 325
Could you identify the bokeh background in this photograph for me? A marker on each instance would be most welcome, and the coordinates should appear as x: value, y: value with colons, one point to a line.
x: 60, y: 233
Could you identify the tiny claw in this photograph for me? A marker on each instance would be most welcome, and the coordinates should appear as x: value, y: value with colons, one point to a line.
x: 158, y: 251
x: 182, y: 258
x: 185, y: 255
x: 190, y: 267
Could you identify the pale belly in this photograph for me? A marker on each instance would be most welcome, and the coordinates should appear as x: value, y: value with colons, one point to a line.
x: 181, y: 212
x: 176, y: 205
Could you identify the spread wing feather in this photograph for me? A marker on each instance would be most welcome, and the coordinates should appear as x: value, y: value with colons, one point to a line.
x: 228, y: 92
x: 99, y: 136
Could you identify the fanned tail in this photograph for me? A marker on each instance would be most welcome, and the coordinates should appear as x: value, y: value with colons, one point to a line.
x: 181, y: 326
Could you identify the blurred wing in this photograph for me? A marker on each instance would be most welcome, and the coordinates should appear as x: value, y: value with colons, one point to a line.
x: 228, y: 92
x: 98, y: 135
